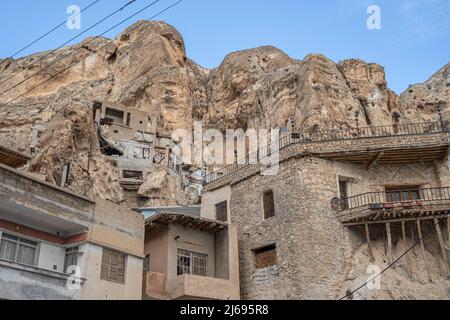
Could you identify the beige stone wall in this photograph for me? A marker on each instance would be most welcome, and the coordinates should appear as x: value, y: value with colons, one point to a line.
x: 315, y: 252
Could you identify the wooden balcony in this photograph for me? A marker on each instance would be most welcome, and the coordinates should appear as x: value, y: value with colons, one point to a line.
x: 394, y: 205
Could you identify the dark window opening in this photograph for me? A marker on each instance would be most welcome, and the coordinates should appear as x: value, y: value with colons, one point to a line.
x: 128, y: 119
x: 129, y: 174
x: 343, y: 194
x: 266, y: 256
x: 147, y: 263
x: 222, y: 211
x: 97, y: 106
x: 268, y: 203
x: 115, y: 116
x: 192, y: 263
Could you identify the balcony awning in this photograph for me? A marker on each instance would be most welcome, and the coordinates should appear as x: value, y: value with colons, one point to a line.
x: 196, y: 223
x: 12, y: 158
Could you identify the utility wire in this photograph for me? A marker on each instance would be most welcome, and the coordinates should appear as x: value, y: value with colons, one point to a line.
x: 101, y: 47
x: 48, y: 32
x: 62, y: 45
x: 393, y: 263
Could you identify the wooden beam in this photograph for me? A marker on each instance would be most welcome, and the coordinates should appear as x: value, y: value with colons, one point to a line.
x: 389, y: 242
x: 374, y: 162
x: 405, y: 248
x: 368, y: 243
x: 423, y: 250
x: 441, y: 244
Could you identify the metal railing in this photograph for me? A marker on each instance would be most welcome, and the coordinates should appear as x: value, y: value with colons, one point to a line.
x: 396, y: 199
x: 335, y: 135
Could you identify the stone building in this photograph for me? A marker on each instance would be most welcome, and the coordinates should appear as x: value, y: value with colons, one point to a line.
x: 188, y: 256
x: 342, y: 202
x: 57, y: 245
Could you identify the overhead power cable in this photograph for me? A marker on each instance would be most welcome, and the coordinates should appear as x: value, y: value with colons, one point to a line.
x: 49, y: 32
x: 101, y: 47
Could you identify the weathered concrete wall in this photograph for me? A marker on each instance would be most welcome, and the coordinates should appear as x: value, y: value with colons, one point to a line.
x: 210, y: 199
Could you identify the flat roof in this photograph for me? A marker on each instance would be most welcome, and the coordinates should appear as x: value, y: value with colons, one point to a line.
x: 195, y: 223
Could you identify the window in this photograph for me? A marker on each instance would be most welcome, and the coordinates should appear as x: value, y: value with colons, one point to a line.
x: 71, y: 258
x: 222, y: 211
x: 128, y: 119
x: 343, y: 194
x: 113, y: 266
x: 268, y: 204
x: 266, y: 257
x: 191, y: 263
x: 18, y: 250
x: 129, y: 174
x: 402, y: 194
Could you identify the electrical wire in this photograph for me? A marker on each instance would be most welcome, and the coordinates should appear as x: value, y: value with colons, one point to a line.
x: 101, y: 47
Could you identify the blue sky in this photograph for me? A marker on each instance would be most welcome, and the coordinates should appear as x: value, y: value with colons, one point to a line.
x: 413, y: 43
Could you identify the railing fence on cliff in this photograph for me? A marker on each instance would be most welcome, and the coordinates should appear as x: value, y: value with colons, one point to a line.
x: 334, y: 135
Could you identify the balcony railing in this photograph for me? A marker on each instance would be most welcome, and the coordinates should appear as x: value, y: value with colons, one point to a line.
x: 334, y: 135
x: 370, y: 204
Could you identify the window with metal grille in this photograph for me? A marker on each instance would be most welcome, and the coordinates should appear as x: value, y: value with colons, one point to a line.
x: 222, y: 211
x: 192, y: 263
x: 71, y: 258
x: 113, y: 266
x: 18, y: 250
x: 268, y: 204
x: 266, y: 257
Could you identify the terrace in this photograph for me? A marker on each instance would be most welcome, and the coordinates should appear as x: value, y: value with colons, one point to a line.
x: 394, y: 205
x: 398, y: 143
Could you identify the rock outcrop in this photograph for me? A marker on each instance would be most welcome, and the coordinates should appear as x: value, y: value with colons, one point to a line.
x: 146, y: 68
